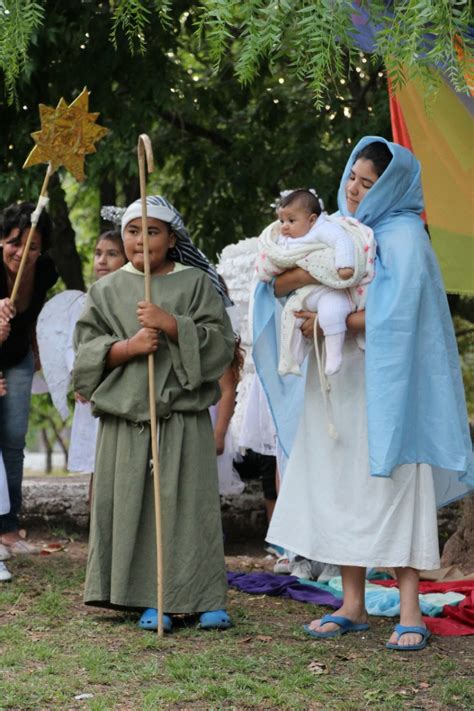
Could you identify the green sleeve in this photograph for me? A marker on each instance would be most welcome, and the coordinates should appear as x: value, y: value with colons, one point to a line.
x: 93, y: 339
x: 205, y: 344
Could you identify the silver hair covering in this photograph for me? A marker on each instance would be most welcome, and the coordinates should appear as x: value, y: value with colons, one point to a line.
x: 112, y: 213
x: 284, y: 193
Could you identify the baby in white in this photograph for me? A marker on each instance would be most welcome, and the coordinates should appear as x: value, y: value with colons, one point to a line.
x: 303, y: 229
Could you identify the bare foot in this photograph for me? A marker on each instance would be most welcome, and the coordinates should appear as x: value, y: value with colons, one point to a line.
x: 359, y: 617
x: 16, y: 544
x: 411, y: 638
x: 11, y: 537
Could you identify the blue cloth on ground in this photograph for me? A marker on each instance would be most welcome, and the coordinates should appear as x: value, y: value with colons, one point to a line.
x: 385, y: 602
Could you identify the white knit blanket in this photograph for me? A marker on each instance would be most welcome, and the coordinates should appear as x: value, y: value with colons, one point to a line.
x: 318, y: 259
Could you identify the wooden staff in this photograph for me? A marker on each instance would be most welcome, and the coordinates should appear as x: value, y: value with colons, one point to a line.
x: 145, y: 152
x: 35, y: 215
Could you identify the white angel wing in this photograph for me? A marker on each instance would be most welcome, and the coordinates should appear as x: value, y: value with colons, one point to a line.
x: 39, y: 384
x: 54, y: 333
x: 237, y: 266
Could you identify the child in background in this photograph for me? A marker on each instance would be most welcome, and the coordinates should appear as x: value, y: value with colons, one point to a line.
x: 54, y: 332
x: 109, y: 255
x: 186, y: 327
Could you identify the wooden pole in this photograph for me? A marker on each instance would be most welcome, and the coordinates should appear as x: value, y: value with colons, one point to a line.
x: 34, y: 221
x: 145, y: 155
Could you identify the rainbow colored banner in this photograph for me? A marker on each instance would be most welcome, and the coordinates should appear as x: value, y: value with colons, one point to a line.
x: 442, y: 138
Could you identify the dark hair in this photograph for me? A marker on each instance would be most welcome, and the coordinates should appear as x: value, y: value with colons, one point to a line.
x: 303, y: 197
x: 377, y: 152
x: 115, y: 237
x: 18, y: 216
x: 237, y: 364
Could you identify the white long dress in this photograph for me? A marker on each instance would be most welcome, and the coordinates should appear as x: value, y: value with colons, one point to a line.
x: 329, y: 508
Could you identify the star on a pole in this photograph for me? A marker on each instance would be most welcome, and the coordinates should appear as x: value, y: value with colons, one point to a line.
x: 68, y: 133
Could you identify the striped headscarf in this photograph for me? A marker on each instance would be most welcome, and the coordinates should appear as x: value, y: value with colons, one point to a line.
x: 184, y: 250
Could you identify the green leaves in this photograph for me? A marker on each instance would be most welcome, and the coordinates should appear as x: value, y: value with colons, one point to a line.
x: 223, y: 149
x: 18, y: 20
x: 420, y: 34
x: 318, y: 38
x: 132, y: 16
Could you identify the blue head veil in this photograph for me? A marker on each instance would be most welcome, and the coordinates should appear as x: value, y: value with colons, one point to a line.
x: 415, y: 397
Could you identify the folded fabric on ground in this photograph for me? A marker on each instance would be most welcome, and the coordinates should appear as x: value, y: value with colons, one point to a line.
x: 454, y: 621
x: 453, y: 600
x: 288, y: 586
x: 465, y: 586
x: 385, y: 601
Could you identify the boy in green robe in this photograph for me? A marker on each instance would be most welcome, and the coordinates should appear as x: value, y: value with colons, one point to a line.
x: 185, y: 325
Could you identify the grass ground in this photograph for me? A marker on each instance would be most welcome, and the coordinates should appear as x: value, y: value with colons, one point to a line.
x: 53, y: 649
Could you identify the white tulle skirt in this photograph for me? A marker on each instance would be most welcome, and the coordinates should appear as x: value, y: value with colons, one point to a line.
x: 230, y: 482
x: 257, y: 431
x: 329, y: 508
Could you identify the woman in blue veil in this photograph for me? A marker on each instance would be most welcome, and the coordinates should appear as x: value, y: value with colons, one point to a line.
x: 369, y: 497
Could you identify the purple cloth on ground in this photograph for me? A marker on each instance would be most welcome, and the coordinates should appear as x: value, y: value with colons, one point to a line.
x: 271, y: 584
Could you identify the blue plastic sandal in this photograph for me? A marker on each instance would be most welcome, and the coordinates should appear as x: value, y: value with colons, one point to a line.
x: 344, y: 623
x: 403, y: 629
x: 149, y: 620
x: 215, y: 620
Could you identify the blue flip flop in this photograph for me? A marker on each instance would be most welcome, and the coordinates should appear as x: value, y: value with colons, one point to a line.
x: 214, y: 620
x: 345, y: 625
x: 403, y: 629
x: 149, y: 620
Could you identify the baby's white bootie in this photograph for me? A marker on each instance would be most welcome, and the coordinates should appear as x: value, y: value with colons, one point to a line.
x: 334, y: 345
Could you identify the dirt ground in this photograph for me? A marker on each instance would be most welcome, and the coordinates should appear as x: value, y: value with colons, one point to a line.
x: 53, y: 648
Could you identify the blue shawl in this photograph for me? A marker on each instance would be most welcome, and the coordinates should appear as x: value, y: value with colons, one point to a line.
x: 416, y: 408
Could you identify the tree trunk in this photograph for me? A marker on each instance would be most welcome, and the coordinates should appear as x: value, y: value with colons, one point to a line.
x: 49, y: 452
x: 132, y: 190
x: 60, y: 439
x: 63, y: 250
x: 459, y: 549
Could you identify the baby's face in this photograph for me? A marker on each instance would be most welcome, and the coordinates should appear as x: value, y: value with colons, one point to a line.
x: 295, y: 221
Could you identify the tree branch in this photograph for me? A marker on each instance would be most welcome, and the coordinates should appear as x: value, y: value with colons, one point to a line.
x: 176, y: 120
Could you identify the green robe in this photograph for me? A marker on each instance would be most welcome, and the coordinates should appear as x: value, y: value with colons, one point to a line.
x: 121, y: 567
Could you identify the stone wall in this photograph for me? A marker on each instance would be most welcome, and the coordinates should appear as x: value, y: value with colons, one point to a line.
x: 62, y: 501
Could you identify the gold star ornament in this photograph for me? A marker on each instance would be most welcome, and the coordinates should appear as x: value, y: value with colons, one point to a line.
x: 68, y: 133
